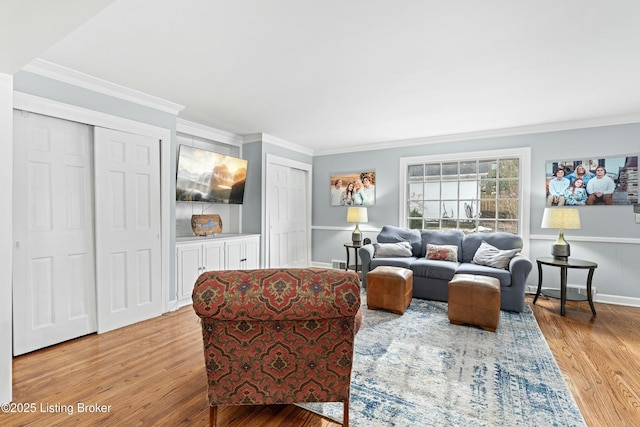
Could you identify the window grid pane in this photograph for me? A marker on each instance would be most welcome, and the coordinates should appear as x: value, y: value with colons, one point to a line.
x: 470, y: 195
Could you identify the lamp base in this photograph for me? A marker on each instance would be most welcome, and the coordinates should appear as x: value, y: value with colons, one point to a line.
x: 356, y: 236
x: 356, y: 239
x: 561, y: 248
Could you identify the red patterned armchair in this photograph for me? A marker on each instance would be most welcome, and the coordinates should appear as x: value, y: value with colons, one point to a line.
x: 278, y: 336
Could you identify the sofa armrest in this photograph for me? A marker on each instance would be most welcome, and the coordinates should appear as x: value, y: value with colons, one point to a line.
x: 366, y: 254
x: 520, y: 267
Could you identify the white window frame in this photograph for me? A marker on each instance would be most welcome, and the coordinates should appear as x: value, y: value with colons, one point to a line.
x: 524, y: 156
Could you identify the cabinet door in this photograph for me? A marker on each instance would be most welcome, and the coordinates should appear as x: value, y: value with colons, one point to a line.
x: 189, y: 267
x: 213, y: 256
x: 234, y: 254
x: 252, y: 252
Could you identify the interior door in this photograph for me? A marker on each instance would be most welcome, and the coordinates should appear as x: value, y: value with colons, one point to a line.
x: 54, y: 288
x: 288, y: 216
x: 128, y: 244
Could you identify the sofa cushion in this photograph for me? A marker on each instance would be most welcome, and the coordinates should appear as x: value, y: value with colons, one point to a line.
x: 493, y: 257
x: 440, y: 237
x: 442, y: 252
x: 391, y: 234
x: 392, y: 262
x: 500, y: 240
x: 443, y: 270
x: 503, y: 275
x: 400, y: 249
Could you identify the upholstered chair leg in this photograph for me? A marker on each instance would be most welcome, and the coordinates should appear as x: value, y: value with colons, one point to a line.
x: 213, y: 416
x: 345, y: 415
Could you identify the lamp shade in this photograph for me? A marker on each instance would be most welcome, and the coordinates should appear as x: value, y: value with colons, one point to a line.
x: 561, y: 218
x: 357, y: 215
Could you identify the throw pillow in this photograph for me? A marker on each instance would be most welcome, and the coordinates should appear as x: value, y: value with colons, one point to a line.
x: 442, y: 252
x: 493, y: 257
x: 400, y: 249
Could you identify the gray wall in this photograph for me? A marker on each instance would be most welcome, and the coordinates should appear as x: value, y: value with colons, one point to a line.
x: 609, y: 234
x: 252, y: 206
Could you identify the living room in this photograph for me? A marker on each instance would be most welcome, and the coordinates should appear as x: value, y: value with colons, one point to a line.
x: 609, y: 235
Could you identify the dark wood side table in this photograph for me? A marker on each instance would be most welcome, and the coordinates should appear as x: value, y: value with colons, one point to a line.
x: 355, y: 248
x: 562, y: 293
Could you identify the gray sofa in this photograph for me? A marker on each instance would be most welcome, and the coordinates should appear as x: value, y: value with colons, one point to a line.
x: 431, y: 277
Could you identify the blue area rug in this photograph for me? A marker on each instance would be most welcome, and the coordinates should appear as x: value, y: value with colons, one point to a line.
x: 420, y: 370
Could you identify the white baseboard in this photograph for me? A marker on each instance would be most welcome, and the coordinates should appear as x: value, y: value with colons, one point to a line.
x: 321, y: 264
x: 618, y: 300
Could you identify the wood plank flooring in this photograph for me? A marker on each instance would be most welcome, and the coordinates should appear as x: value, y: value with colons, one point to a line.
x: 152, y: 374
x: 598, y: 356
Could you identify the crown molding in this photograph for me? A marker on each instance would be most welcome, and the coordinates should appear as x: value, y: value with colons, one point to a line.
x: 76, y: 78
x: 263, y: 137
x: 202, y: 131
x: 492, y: 133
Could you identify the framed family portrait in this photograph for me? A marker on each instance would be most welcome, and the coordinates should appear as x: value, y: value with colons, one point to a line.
x: 353, y: 188
x: 592, y: 181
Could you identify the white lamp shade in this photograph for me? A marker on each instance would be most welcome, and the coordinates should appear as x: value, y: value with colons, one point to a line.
x: 357, y: 215
x: 561, y: 218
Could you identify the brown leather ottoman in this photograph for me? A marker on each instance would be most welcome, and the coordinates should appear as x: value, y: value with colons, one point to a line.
x: 474, y: 300
x: 389, y: 288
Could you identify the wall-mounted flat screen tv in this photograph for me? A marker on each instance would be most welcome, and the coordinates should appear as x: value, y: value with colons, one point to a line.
x: 205, y: 176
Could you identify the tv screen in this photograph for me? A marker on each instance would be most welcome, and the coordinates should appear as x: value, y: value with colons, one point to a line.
x: 205, y: 176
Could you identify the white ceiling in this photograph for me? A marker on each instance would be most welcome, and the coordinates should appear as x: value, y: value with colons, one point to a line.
x: 334, y: 74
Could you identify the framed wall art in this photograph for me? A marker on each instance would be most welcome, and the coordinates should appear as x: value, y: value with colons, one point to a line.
x: 592, y: 181
x: 353, y: 188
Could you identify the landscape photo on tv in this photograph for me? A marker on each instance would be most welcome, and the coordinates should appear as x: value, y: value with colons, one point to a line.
x: 206, y: 176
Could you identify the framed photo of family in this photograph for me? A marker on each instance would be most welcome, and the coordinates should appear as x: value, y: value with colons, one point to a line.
x: 353, y: 188
x: 592, y: 181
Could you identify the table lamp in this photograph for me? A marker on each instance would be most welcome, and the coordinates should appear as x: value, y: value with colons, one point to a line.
x: 357, y: 215
x: 561, y: 218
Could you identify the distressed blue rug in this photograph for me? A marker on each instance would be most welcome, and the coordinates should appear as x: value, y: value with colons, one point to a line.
x: 420, y: 370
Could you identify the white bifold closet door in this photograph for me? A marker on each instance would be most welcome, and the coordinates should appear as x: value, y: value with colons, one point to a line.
x: 128, y: 243
x: 86, y: 221
x: 54, y: 288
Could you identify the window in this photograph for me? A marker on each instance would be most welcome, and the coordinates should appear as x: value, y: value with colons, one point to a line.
x: 473, y: 192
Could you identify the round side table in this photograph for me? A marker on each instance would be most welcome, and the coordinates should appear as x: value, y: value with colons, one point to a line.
x: 355, y: 248
x: 562, y: 293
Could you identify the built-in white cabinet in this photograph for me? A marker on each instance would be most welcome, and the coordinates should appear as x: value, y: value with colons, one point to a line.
x: 194, y: 256
x: 242, y: 254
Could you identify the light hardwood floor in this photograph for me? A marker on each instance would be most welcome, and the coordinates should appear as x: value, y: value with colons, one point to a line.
x: 152, y: 374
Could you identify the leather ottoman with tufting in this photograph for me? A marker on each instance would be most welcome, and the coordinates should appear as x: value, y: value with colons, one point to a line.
x: 389, y: 288
x: 474, y: 300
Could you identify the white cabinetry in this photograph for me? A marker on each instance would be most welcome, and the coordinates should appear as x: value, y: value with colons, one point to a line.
x: 194, y: 256
x: 242, y: 254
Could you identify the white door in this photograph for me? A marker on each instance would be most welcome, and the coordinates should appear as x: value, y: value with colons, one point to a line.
x: 288, y: 216
x: 128, y: 257
x: 54, y: 289
x: 296, y: 223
